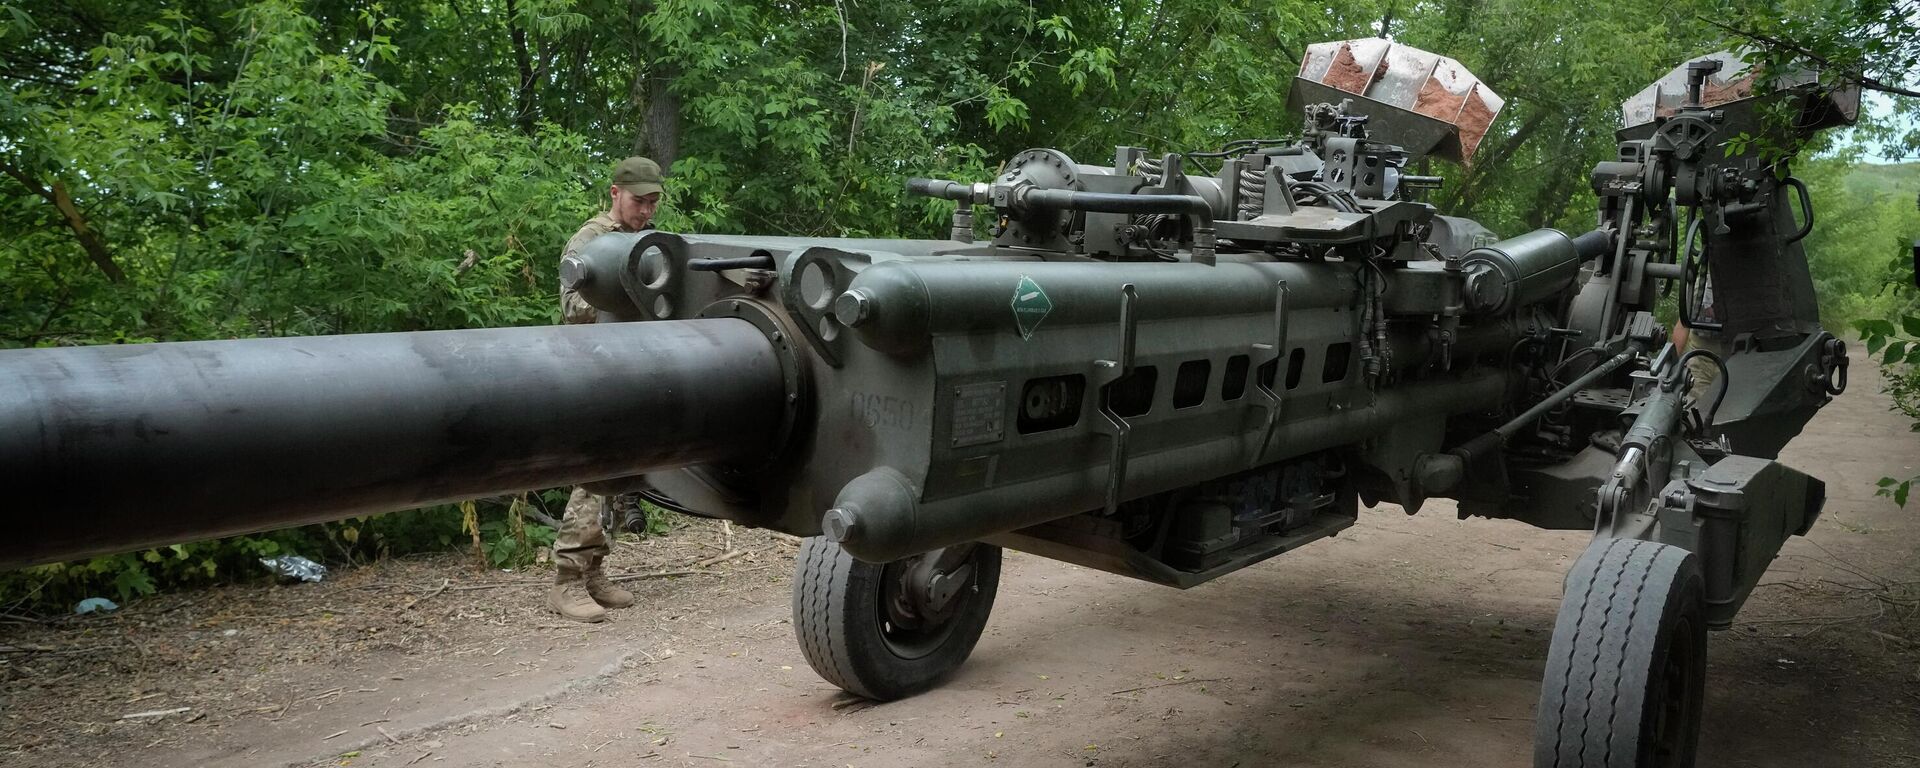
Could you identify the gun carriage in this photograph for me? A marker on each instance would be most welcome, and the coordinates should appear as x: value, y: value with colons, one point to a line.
x: 1154, y: 368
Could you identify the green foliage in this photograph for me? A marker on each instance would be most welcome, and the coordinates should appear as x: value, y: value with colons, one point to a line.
x: 1871, y: 41
x: 1860, y: 221
x: 1896, y: 343
x: 659, y: 521
x: 508, y: 541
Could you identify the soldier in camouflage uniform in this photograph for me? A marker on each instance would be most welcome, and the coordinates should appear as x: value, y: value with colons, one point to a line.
x: 581, y: 589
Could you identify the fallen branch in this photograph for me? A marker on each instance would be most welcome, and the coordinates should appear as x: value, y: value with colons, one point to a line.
x: 1892, y: 638
x: 1166, y: 685
x: 1809, y: 619
x: 540, y: 517
x: 156, y: 713
x: 427, y: 596
x: 53, y: 651
x: 718, y: 559
x: 660, y: 575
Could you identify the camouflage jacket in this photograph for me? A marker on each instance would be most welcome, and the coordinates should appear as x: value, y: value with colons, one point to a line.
x: 574, y: 309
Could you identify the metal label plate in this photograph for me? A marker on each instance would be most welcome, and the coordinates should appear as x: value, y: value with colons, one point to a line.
x: 979, y: 413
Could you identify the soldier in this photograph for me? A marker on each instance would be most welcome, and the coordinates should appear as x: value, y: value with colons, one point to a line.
x: 581, y: 589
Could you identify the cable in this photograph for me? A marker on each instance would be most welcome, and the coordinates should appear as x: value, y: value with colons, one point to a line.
x: 1726, y: 379
x: 1553, y: 377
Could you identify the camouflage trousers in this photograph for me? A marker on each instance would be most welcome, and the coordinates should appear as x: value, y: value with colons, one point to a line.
x: 1706, y: 375
x: 582, y: 539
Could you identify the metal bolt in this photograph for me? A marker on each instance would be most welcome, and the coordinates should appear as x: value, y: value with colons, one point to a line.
x: 853, y: 308
x: 574, y: 273
x: 839, y: 525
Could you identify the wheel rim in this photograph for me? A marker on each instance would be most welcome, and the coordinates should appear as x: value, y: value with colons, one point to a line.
x: 913, y: 620
x: 1676, y: 698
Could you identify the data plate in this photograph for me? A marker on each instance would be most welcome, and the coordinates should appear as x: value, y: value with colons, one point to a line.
x: 979, y: 413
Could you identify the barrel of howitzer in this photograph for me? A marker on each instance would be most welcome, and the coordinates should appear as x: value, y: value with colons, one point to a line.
x: 106, y: 449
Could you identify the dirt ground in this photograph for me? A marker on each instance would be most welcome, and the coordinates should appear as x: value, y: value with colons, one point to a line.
x: 1405, y: 641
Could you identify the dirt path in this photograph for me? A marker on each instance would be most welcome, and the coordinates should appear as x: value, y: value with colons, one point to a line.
x: 1406, y: 641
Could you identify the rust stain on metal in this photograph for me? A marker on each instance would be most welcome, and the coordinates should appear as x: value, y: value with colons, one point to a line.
x: 1436, y: 101
x: 1717, y: 93
x: 1346, y: 73
x: 1473, y: 122
x: 1411, y: 82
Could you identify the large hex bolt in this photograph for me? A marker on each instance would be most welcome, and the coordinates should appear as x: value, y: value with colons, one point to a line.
x: 840, y: 525
x: 853, y: 308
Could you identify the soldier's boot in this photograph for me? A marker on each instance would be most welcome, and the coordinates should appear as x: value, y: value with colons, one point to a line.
x: 569, y: 597
x: 603, y: 590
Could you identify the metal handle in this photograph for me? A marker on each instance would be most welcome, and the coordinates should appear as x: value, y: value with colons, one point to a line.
x: 1116, y: 425
x: 761, y: 261
x: 1806, y: 207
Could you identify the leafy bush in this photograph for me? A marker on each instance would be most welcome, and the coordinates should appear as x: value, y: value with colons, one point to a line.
x: 1897, y: 343
x: 507, y: 540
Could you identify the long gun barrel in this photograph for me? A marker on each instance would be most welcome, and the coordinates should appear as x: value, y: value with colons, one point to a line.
x: 106, y: 449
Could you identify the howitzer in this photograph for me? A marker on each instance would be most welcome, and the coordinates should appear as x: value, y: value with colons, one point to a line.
x: 1153, y: 368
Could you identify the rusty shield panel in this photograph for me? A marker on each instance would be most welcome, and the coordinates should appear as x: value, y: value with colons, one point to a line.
x: 1434, y: 105
x: 1735, y: 83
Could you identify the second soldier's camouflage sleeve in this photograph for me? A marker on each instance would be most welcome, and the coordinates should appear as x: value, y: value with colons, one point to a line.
x: 573, y: 308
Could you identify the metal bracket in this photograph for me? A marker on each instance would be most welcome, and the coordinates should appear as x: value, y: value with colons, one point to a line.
x: 1115, y: 370
x: 1615, y: 270
x: 1271, y: 391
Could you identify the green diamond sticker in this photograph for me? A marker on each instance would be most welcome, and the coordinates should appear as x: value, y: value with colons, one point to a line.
x: 1030, y: 306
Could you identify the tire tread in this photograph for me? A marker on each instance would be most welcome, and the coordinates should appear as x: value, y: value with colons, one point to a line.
x: 1606, y: 628
x: 833, y: 598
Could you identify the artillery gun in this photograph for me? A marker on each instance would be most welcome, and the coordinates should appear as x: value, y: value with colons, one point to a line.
x: 1153, y: 368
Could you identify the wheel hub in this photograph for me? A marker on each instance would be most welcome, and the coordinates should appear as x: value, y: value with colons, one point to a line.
x: 921, y: 595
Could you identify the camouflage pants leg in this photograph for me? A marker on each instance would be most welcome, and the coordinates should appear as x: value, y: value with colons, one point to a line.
x: 1706, y: 376
x: 581, y: 542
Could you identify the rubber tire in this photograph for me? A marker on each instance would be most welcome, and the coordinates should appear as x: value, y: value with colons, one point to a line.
x: 1628, y: 606
x: 836, y: 616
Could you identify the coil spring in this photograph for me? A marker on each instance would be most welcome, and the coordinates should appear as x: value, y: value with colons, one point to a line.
x: 1149, y: 168
x: 1253, y: 193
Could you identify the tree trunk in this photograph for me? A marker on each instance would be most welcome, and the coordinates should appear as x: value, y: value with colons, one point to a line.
x: 1550, y: 200
x: 90, y: 239
x: 1487, y: 159
x: 660, y: 130
x: 523, y: 96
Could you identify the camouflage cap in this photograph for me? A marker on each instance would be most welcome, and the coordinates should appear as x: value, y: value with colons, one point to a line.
x: 638, y: 176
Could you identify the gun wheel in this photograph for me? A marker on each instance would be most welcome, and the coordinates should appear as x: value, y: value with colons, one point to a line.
x: 1627, y: 669
x: 890, y: 631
